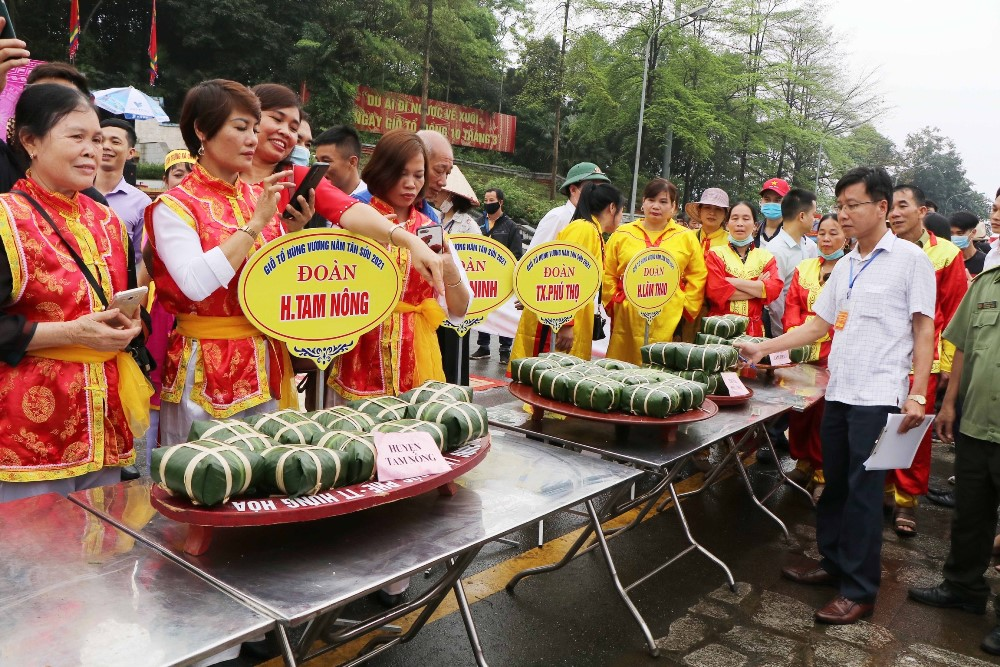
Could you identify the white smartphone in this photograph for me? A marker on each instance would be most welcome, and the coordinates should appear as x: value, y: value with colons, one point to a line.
x: 129, y: 301
x: 433, y: 236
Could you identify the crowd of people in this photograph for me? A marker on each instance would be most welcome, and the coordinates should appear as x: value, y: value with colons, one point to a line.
x: 74, y: 234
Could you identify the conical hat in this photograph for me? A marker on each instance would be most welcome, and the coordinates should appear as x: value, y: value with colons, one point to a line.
x: 457, y: 184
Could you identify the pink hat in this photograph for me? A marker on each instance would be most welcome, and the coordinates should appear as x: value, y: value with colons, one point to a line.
x: 710, y: 197
x: 779, y: 185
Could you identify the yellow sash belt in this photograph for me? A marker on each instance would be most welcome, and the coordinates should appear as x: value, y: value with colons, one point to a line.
x: 426, y: 351
x: 234, y: 327
x: 134, y: 389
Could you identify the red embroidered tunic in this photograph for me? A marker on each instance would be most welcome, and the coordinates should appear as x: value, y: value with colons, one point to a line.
x: 61, y: 419
x: 723, y: 262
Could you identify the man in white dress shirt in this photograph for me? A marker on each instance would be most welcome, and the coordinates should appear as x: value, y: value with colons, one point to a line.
x: 880, y: 299
x: 556, y: 220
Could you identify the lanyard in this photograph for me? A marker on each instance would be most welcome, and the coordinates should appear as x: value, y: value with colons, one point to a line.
x: 649, y: 241
x: 852, y: 277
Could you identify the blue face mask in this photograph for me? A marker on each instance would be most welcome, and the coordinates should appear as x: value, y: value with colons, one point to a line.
x: 740, y: 244
x: 299, y: 156
x: 771, y: 210
x: 961, y: 241
x: 833, y: 255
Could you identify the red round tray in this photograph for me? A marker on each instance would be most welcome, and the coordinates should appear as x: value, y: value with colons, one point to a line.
x: 527, y: 394
x: 278, y: 509
x: 723, y: 401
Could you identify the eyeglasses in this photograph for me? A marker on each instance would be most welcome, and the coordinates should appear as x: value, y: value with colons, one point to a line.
x: 850, y: 208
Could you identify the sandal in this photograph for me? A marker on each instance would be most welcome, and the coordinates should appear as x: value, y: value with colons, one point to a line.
x: 905, y: 522
x: 800, y: 476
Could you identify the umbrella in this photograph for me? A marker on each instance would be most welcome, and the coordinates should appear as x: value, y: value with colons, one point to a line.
x: 131, y: 103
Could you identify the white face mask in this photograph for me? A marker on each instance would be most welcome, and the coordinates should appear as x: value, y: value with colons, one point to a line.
x: 446, y: 206
x: 300, y: 156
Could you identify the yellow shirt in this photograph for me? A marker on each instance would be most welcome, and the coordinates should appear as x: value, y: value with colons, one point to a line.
x: 628, y: 326
x: 584, y: 234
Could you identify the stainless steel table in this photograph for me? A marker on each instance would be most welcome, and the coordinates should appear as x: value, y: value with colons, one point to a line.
x: 739, y: 429
x: 309, y: 572
x: 79, y: 591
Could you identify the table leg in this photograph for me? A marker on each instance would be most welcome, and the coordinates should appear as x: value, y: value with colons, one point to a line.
x: 287, y: 654
x: 670, y: 434
x: 784, y: 476
x: 198, y: 539
x: 470, y: 624
x: 536, y: 416
x: 738, y: 462
x: 622, y: 593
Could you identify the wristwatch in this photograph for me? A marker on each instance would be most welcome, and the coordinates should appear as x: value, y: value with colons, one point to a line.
x: 917, y: 398
x: 249, y: 230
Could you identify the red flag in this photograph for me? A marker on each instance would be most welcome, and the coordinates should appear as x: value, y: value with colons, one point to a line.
x: 74, y: 28
x: 154, y: 68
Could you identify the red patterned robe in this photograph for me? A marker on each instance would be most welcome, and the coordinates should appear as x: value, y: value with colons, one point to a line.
x: 60, y: 419
x: 383, y: 362
x: 724, y: 262
x: 231, y: 373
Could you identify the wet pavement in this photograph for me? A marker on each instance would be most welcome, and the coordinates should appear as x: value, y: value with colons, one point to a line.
x: 573, y: 616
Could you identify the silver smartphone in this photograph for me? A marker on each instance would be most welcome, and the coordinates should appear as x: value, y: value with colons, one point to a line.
x: 129, y: 301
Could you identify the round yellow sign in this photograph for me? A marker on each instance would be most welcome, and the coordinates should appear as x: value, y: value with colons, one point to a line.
x: 555, y: 280
x: 650, y: 280
x: 489, y: 265
x: 319, y: 291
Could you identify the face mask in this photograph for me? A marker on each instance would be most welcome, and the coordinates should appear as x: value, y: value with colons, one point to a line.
x: 492, y: 208
x: 740, y: 244
x: 833, y: 255
x: 299, y: 156
x: 961, y: 241
x: 771, y: 211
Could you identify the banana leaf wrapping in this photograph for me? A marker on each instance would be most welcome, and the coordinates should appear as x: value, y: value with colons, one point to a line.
x: 437, y: 431
x: 694, y: 393
x: 613, y: 364
x: 689, y: 357
x: 431, y: 390
x: 342, y: 418
x: 798, y: 355
x: 589, y: 369
x: 634, y: 376
x: 561, y: 358
x: 653, y: 400
x: 525, y: 369
x: 231, y: 432
x: 725, y: 326
x: 462, y: 421
x: 554, y: 384
x: 709, y: 339
x: 205, y: 472
x: 709, y: 381
x: 288, y: 427
x: 359, y: 451
x: 303, y: 471
x: 381, y: 409
x: 595, y: 393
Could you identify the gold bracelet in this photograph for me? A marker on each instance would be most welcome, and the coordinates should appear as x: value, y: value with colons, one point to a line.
x: 391, y: 232
x: 455, y: 285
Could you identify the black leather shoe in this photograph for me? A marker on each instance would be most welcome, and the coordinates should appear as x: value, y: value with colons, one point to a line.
x: 764, y: 454
x: 129, y: 473
x: 941, y: 497
x: 389, y: 600
x: 991, y: 644
x: 943, y: 596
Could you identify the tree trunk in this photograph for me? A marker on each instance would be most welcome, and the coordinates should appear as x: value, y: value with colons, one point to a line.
x: 428, y: 30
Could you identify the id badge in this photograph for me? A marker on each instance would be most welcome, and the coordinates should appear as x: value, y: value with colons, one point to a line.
x: 841, y: 320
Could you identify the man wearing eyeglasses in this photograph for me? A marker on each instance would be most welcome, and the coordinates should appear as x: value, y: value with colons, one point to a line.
x: 880, y: 299
x: 906, y: 217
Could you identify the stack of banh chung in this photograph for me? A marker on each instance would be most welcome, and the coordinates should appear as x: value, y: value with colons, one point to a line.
x: 294, y: 454
x: 729, y: 329
x: 608, y: 385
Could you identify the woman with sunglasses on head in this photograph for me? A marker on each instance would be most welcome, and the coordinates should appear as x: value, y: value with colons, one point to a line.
x: 807, y: 282
x: 742, y: 278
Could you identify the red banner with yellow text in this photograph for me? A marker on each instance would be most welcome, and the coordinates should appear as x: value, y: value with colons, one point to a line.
x: 376, y: 111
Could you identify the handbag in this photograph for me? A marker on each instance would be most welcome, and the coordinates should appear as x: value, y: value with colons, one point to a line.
x: 137, y: 348
x: 599, y: 320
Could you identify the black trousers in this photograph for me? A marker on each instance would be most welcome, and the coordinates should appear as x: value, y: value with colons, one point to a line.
x: 849, y: 513
x: 483, y: 340
x: 454, y: 355
x: 974, y: 520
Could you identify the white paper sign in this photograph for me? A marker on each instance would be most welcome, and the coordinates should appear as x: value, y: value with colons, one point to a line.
x: 781, y: 358
x: 734, y: 384
x: 406, y: 455
x: 895, y: 451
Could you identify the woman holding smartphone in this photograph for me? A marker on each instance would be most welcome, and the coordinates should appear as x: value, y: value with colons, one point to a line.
x: 63, y: 257
x: 402, y: 352
x: 281, y: 115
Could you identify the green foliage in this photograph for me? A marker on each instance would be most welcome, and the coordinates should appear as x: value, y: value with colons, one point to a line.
x: 150, y: 170
x: 931, y: 162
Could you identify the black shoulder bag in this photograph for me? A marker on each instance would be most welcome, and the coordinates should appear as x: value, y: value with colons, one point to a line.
x: 137, y: 348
